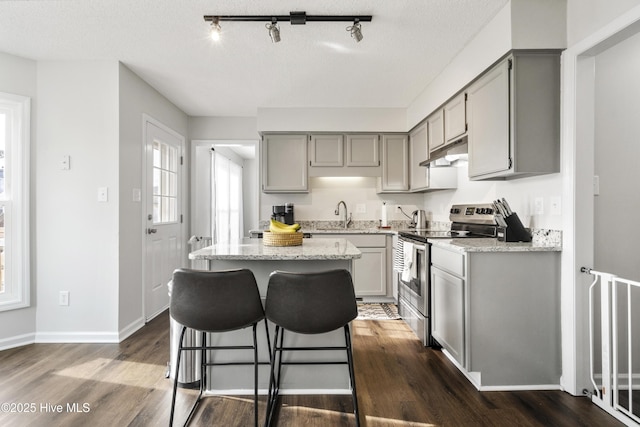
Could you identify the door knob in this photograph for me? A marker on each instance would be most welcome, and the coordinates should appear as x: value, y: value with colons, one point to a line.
x: 152, y: 230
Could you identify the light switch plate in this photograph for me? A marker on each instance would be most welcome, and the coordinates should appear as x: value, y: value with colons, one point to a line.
x: 65, y: 163
x: 103, y: 194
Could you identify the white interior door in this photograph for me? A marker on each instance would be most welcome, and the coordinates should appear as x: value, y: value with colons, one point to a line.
x: 163, y: 230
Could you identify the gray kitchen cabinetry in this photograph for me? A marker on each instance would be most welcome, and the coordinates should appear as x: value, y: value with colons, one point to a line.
x: 435, y: 126
x: 344, y: 155
x: 326, y: 150
x: 455, y: 118
x: 372, y: 272
x: 497, y: 314
x: 419, y: 179
x: 447, y: 296
x: 395, y: 164
x: 363, y: 150
x: 514, y: 117
x: 284, y: 163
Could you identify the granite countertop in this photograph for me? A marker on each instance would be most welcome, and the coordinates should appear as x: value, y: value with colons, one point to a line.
x: 253, y: 249
x: 493, y: 245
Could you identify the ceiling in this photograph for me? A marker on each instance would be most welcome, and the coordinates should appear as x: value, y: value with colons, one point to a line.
x: 317, y: 65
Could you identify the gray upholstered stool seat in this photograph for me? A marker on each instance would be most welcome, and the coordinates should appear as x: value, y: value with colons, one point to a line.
x: 211, y: 302
x: 309, y: 303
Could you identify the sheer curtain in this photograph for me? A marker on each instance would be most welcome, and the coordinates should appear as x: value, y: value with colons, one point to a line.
x: 226, y: 199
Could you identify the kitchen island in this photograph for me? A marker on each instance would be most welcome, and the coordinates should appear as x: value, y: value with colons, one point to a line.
x: 312, y: 256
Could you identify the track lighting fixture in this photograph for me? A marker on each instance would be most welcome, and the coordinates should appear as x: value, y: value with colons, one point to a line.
x: 356, y: 30
x: 274, y: 31
x: 296, y: 18
x: 215, y: 29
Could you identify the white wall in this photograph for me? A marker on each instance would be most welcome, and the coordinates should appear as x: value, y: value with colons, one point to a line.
x: 331, y: 120
x: 325, y: 193
x: 520, y: 193
x: 77, y: 237
x: 19, y: 76
x: 585, y: 17
x: 136, y: 98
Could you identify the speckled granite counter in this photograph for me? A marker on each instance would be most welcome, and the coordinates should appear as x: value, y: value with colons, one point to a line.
x: 254, y: 250
x: 493, y: 245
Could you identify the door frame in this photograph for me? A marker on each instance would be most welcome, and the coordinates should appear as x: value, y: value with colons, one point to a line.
x: 578, y: 139
x: 146, y: 118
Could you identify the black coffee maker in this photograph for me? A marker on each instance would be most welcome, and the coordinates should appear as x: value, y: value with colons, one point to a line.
x: 283, y: 213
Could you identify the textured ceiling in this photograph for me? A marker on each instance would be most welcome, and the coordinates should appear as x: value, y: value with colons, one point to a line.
x: 166, y: 42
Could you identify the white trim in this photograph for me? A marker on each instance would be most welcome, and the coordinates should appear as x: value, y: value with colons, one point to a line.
x: 130, y: 329
x: 17, y: 341
x: 77, y: 337
x: 18, y: 271
x: 608, y: 35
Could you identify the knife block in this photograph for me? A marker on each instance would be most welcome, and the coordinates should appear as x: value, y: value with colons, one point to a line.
x: 514, y: 231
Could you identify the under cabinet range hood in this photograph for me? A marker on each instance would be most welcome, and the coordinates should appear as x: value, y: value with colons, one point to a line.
x: 458, y: 146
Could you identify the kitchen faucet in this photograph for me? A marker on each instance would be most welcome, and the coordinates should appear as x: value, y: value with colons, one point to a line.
x: 347, y: 221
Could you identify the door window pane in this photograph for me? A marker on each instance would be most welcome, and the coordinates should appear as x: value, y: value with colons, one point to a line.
x: 165, y: 183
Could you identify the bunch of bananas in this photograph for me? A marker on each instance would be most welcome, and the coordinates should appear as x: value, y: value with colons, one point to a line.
x: 279, y: 227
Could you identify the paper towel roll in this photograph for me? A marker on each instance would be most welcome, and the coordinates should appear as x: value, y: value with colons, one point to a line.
x: 383, y: 214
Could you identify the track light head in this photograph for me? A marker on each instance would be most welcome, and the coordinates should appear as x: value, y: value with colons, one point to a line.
x: 356, y: 30
x: 215, y: 29
x: 274, y: 31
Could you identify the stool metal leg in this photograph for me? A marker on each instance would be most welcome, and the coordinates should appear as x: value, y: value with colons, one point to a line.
x: 352, y: 375
x: 175, y: 379
x: 274, y: 378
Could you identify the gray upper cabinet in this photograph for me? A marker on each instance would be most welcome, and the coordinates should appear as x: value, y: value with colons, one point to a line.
x: 284, y: 163
x: 435, y: 126
x: 455, y: 118
x: 514, y: 117
x: 419, y: 178
x: 395, y: 164
x: 363, y: 150
x: 326, y: 150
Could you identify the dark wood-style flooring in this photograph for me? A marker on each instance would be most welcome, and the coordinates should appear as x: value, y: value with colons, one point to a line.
x: 400, y: 383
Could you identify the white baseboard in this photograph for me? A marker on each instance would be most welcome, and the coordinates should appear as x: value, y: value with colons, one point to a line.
x: 77, y: 337
x: 17, y: 341
x: 131, y: 328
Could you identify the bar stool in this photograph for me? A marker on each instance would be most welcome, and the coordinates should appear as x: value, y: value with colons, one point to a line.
x: 213, y: 302
x: 309, y: 303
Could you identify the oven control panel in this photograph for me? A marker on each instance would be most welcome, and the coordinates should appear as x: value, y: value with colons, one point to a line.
x: 482, y: 213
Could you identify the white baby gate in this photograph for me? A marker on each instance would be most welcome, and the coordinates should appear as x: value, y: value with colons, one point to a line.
x: 615, y: 312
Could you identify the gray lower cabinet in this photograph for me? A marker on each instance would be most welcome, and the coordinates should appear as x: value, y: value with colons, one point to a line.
x: 372, y: 272
x: 514, y: 117
x: 284, y: 163
x: 498, y: 316
x: 447, y: 294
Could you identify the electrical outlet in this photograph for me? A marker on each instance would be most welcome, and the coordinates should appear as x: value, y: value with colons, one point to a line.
x: 63, y: 298
x: 361, y: 208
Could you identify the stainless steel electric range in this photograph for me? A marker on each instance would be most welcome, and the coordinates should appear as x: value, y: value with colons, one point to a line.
x: 414, y: 290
